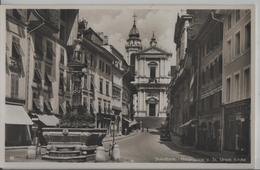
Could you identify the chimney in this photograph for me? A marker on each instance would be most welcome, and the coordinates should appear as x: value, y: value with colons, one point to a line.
x: 101, y: 35
x: 105, y: 40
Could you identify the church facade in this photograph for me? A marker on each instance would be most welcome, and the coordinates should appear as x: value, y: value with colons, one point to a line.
x: 151, y: 78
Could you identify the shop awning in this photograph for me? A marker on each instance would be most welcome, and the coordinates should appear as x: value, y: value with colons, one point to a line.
x: 116, y: 108
x: 16, y: 115
x: 129, y: 121
x: 188, y: 123
x: 133, y: 123
x: 49, y: 120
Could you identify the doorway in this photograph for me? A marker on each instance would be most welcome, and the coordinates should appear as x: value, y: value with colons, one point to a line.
x: 152, y: 109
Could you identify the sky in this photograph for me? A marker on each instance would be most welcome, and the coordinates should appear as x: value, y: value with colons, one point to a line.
x: 116, y: 24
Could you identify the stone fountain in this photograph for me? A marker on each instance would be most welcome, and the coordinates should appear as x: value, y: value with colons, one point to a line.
x: 72, y: 144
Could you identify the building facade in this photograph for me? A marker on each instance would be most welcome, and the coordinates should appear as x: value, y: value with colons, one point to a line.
x: 39, y: 75
x: 237, y: 80
x: 150, y: 77
x: 208, y: 45
x: 209, y: 94
x: 17, y: 121
x: 119, y: 108
x: 195, y: 88
x: 50, y: 36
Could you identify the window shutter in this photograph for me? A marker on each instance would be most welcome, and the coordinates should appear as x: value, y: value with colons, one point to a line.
x: 54, y: 62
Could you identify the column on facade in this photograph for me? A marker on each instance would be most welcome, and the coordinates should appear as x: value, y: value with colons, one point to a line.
x: 141, y: 100
x: 145, y: 64
x: 144, y: 102
x: 143, y: 72
x: 138, y: 100
x: 136, y: 66
x: 139, y: 68
x: 163, y: 99
x: 157, y: 109
x: 164, y: 67
x: 161, y: 69
x: 160, y: 101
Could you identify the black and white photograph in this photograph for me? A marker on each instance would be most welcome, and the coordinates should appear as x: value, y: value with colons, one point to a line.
x: 128, y: 85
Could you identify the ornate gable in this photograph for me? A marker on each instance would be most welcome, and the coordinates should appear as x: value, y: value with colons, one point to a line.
x: 154, y: 50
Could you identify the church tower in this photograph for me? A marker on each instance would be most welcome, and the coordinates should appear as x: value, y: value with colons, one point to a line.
x: 133, y: 44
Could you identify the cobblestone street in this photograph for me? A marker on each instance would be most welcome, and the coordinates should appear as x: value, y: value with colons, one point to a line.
x: 147, y: 147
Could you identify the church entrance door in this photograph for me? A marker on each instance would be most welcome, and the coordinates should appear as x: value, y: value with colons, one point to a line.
x: 152, y: 109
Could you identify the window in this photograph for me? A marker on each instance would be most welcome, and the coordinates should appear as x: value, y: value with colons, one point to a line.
x: 100, y: 65
x: 105, y: 108
x: 237, y: 86
x: 103, y: 67
x: 237, y: 46
x: 76, y: 99
x: 229, y: 21
x: 229, y: 50
x: 68, y: 83
x: 15, y: 47
x: 237, y: 15
x: 14, y: 85
x: 38, y: 45
x: 247, y: 83
x: 16, y: 14
x: 48, y: 69
x: 85, y: 103
x: 61, y: 81
x: 203, y: 77
x: 211, y: 71
x: 92, y: 83
x: 91, y: 61
x: 62, y: 33
x: 108, y: 69
x: 152, y: 72
x: 49, y: 50
x: 85, y: 82
x: 62, y: 56
x: 99, y: 106
x: 248, y: 35
x: 91, y: 106
x: 228, y: 90
x: 101, y: 86
x: 107, y: 88
x: 152, y: 109
x: 77, y: 86
x: 36, y: 94
x: 220, y: 64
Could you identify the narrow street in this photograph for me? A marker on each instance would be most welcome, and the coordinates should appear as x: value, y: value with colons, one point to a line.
x: 146, y: 147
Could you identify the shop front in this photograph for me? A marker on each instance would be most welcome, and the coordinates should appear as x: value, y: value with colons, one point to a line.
x: 237, y: 127
x: 17, y: 126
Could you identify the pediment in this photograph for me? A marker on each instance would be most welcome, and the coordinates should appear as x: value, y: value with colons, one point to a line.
x: 154, y: 50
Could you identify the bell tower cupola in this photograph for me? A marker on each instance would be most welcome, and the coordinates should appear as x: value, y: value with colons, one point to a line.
x: 133, y: 44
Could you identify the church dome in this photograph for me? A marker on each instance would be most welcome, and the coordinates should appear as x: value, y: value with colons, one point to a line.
x: 134, y: 31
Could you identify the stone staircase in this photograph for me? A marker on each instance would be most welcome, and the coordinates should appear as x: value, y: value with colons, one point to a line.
x: 69, y: 152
